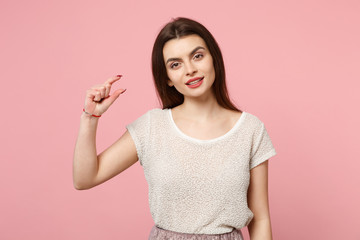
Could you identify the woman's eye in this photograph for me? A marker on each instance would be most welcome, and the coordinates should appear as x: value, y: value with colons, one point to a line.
x: 174, y: 65
x: 198, y: 55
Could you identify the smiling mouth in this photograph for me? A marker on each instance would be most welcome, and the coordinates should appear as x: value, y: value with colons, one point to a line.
x: 194, y: 82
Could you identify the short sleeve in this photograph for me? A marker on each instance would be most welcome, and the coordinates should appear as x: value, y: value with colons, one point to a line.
x: 262, y: 148
x: 139, y: 131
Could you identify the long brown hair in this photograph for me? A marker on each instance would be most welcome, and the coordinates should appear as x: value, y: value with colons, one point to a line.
x: 177, y: 28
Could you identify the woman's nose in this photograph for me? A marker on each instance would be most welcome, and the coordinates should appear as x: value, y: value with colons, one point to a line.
x: 190, y: 69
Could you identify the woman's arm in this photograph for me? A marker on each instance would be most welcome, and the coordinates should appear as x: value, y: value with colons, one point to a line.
x: 90, y: 169
x: 85, y: 162
x: 260, y: 226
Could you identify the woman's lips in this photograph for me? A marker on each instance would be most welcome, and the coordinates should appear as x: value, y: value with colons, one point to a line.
x: 192, y: 80
x: 196, y: 84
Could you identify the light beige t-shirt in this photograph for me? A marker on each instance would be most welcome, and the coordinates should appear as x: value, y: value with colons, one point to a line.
x: 199, y: 186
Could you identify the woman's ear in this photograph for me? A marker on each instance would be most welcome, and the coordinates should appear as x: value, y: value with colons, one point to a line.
x: 170, y: 83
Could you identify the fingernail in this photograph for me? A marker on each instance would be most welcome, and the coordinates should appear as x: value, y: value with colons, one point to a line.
x: 123, y: 91
x: 119, y: 75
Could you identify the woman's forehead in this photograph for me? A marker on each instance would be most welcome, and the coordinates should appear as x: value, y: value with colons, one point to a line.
x: 177, y: 47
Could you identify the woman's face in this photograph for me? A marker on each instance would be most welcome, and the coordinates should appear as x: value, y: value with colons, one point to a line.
x: 188, y: 59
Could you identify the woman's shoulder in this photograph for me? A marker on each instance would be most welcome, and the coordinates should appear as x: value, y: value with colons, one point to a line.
x: 148, y: 116
x: 246, y: 119
x: 157, y: 111
x: 254, y: 122
x: 154, y: 113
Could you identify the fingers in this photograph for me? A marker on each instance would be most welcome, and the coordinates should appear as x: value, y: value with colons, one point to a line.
x: 93, y: 95
x: 98, y: 98
x: 103, y: 90
x: 107, y: 86
x: 112, y: 79
x: 107, y: 89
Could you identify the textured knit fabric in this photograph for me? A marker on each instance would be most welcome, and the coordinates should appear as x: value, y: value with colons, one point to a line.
x: 157, y: 233
x: 199, y: 186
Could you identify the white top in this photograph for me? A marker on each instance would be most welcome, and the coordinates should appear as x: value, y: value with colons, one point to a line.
x: 199, y: 186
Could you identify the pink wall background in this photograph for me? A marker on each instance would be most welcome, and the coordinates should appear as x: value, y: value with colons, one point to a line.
x: 294, y: 64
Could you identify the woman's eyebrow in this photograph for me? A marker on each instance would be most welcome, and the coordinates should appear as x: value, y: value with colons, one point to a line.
x: 195, y: 49
x: 192, y: 52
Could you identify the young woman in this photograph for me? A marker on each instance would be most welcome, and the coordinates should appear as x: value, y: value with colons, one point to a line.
x: 205, y: 160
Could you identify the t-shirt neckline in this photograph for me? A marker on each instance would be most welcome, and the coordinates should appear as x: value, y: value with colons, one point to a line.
x: 236, y: 125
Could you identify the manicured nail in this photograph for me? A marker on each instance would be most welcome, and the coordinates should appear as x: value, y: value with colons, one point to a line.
x: 119, y: 75
x: 123, y: 91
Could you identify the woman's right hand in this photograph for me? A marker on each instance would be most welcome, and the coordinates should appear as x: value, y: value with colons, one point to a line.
x: 98, y: 100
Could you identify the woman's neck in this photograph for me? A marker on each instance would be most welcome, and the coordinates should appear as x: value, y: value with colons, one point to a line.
x: 200, y: 110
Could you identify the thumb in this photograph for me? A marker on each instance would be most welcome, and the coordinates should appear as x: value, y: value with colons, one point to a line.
x: 115, y: 95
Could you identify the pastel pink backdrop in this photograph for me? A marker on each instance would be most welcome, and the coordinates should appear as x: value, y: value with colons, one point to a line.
x: 294, y: 64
